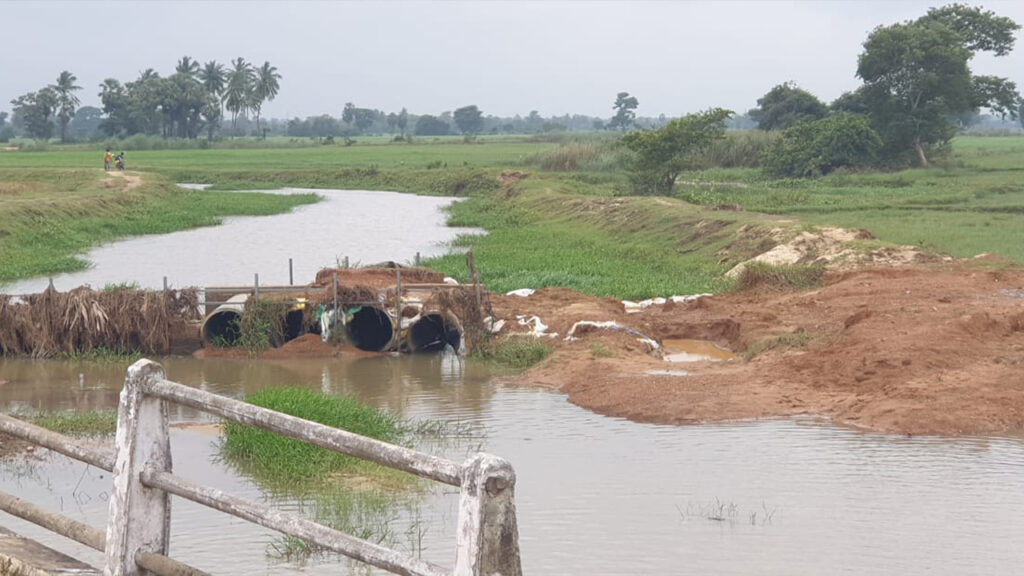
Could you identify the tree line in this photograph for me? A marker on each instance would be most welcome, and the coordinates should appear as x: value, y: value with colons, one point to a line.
x: 182, y: 105
x: 917, y: 91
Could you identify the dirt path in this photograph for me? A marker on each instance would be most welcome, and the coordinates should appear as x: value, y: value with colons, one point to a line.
x: 128, y: 180
x: 916, y: 350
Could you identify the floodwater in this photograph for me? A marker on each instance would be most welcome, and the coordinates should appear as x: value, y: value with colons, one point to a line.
x: 595, y: 495
x: 367, y: 227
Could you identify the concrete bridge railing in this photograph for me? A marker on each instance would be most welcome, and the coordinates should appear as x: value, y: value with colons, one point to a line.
x: 138, y: 524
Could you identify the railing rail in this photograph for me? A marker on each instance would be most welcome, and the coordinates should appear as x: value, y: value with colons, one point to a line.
x: 138, y: 523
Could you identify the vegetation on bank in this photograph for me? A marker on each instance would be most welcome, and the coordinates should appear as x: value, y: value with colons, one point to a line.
x: 49, y: 216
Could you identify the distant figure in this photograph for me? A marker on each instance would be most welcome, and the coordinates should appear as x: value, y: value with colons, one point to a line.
x: 119, y: 161
x: 107, y: 158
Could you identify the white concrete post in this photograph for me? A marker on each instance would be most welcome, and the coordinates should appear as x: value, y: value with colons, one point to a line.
x: 487, y: 535
x: 139, y: 517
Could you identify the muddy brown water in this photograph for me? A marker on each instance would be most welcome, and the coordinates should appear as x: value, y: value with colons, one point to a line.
x: 595, y: 495
x: 367, y: 227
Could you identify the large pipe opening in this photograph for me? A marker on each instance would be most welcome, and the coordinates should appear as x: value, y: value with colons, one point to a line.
x: 223, y: 326
x: 369, y: 328
x: 433, y: 331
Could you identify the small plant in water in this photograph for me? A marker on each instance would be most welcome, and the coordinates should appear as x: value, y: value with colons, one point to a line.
x: 519, y: 353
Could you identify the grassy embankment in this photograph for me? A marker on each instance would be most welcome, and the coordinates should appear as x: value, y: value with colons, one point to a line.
x: 565, y: 225
x: 50, y: 213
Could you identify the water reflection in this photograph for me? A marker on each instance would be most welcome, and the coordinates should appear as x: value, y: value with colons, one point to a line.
x: 364, y: 226
x: 599, y: 495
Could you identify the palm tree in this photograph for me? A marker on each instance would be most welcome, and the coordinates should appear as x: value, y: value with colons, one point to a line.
x: 213, y: 79
x: 238, y: 93
x: 66, y: 100
x: 147, y: 74
x: 265, y: 88
x: 187, y: 66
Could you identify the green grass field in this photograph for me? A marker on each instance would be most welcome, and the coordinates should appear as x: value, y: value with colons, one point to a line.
x: 566, y: 228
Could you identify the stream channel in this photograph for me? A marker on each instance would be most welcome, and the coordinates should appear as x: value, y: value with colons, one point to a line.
x: 595, y: 495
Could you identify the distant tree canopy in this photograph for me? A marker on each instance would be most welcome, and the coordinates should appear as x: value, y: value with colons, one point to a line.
x: 786, y: 105
x: 34, y: 112
x: 659, y: 156
x: 428, y: 125
x: 469, y: 119
x: 625, y: 112
x: 917, y: 79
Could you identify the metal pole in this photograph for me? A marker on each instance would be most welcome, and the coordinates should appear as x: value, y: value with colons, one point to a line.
x: 256, y: 287
x: 165, y: 283
x: 346, y: 262
x: 417, y: 259
x: 336, y: 294
x: 291, y: 278
x: 398, y: 296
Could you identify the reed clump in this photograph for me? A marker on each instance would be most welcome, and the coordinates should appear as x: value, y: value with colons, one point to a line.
x: 77, y: 322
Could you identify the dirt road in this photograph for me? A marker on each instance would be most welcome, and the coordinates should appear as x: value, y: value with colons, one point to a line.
x: 936, y: 349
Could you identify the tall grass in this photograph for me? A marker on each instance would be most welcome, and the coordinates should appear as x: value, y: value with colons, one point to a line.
x: 578, y: 156
x: 738, y: 150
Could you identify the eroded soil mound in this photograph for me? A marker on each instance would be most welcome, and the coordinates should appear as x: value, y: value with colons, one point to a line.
x: 927, y: 349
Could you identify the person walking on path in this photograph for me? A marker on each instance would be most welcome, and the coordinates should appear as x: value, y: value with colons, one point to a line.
x: 107, y: 158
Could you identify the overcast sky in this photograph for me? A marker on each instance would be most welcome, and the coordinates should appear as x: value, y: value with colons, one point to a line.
x: 505, y: 57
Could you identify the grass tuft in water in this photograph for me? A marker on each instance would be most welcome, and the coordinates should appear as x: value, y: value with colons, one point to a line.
x: 283, y: 460
x: 99, y: 423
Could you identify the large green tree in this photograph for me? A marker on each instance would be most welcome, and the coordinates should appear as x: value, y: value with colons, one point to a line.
x: 786, y: 105
x: 659, y: 156
x: 625, y: 111
x: 917, y: 77
x: 34, y: 112
x: 67, y: 102
x: 469, y: 119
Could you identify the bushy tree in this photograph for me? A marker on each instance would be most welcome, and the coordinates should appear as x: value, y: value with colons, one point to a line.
x: 842, y: 140
x: 917, y: 79
x: 625, y: 111
x: 786, y: 105
x: 469, y: 119
x: 428, y: 125
x: 659, y: 156
x: 6, y: 131
x: 34, y: 110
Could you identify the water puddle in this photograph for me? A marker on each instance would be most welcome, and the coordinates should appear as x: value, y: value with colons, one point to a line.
x: 595, y: 495
x: 366, y: 227
x: 680, y: 350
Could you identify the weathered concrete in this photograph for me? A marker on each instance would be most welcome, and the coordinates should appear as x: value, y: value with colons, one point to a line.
x: 140, y: 518
x: 487, y: 534
x: 20, y: 556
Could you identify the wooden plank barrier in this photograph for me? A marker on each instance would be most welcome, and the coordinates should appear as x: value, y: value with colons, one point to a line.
x: 138, y: 523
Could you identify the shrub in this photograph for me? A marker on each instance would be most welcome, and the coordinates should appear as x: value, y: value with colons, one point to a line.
x: 815, y: 148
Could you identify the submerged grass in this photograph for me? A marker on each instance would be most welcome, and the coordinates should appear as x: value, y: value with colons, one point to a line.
x: 282, y: 461
x: 73, y: 423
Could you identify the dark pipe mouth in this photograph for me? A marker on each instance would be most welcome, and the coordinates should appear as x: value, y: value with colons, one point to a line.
x: 293, y: 325
x: 433, y: 332
x: 369, y: 329
x: 223, y: 327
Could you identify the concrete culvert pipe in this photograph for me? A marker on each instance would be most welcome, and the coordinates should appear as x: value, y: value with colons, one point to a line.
x: 369, y: 328
x: 433, y: 331
x: 222, y: 326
